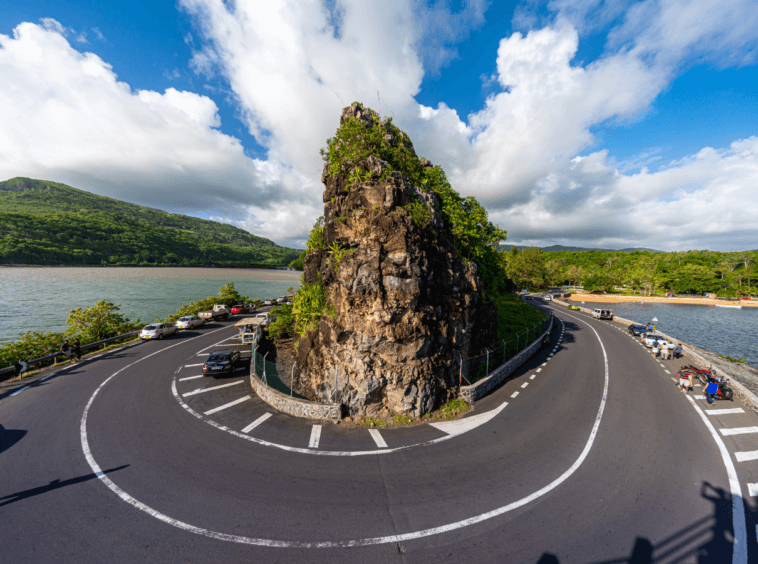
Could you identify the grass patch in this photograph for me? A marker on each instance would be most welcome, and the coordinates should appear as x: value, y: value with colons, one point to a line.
x: 401, y: 419
x: 450, y: 410
x: 514, y: 316
x: 371, y: 422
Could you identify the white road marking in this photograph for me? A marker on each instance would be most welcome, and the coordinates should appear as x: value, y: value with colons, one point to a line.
x: 227, y: 405
x: 532, y: 377
x: 514, y: 394
x: 460, y: 426
x: 544, y: 363
x: 203, y: 390
x: 525, y: 384
x: 699, y: 397
x: 315, y: 436
x: 738, y: 431
x: 752, y: 489
x: 747, y: 455
x: 19, y: 391
x: 739, y: 553
x: 539, y: 370
x: 48, y: 376
x: 666, y: 371
x: 255, y: 423
x: 191, y: 378
x: 203, y: 354
x: 192, y: 365
x: 725, y: 411
x: 378, y: 439
x: 345, y: 543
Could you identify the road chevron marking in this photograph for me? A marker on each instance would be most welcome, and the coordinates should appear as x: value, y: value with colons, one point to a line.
x: 212, y: 388
x: 739, y: 554
x: 725, y: 411
x: 460, y: 426
x: 378, y: 439
x: 746, y: 456
x: 738, y: 431
x: 347, y: 543
x: 315, y: 436
x: 227, y: 405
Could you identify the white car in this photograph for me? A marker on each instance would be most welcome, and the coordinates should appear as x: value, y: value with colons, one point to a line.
x: 546, y: 297
x: 157, y: 331
x: 189, y: 322
x: 650, y: 338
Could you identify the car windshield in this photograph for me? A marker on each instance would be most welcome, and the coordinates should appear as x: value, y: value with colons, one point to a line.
x: 184, y: 319
x: 149, y: 328
x: 217, y: 358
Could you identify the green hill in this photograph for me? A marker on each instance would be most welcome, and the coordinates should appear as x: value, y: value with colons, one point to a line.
x: 45, y: 222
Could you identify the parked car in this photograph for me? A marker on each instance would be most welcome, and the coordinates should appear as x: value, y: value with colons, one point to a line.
x: 157, y: 331
x: 220, y: 362
x: 189, y: 322
x: 602, y: 314
x: 267, y: 302
x: 637, y: 330
x: 219, y: 311
x: 239, y: 308
x: 650, y: 338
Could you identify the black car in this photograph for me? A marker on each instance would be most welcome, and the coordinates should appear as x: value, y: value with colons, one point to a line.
x: 221, y: 362
x: 637, y: 330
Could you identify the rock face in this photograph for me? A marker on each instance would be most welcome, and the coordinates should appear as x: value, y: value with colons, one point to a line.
x: 407, y: 307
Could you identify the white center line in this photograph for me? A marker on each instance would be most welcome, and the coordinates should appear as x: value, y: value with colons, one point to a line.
x: 48, y: 376
x: 19, y: 391
x: 191, y: 378
x: 192, y: 365
x: 745, y: 456
x: 230, y: 404
x: 538, y: 370
x: 315, y: 436
x: 255, y: 423
x: 725, y: 411
x: 378, y: 439
x: 752, y: 489
x: 738, y: 431
x: 514, y: 394
x: 203, y: 390
x: 525, y: 384
x: 532, y: 377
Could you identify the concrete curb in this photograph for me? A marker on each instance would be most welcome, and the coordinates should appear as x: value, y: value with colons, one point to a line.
x: 295, y: 406
x: 483, y: 387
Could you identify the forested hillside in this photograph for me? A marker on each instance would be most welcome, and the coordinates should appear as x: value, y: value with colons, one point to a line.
x: 690, y: 272
x: 50, y: 223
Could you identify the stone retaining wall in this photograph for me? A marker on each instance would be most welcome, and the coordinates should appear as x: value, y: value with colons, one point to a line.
x: 483, y: 387
x: 744, y: 384
x: 295, y: 406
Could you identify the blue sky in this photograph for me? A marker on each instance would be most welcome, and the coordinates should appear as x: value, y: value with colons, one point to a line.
x: 575, y: 122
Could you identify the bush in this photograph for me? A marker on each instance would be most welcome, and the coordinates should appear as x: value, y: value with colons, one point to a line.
x: 308, y: 305
x: 283, y: 325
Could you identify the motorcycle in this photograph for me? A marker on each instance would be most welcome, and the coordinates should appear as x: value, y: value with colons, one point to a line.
x: 724, y: 391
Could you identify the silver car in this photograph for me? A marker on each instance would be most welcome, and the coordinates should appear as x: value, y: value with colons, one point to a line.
x: 157, y: 331
x: 189, y: 322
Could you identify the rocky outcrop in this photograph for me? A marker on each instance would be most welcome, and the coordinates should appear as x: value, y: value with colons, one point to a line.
x: 407, y: 308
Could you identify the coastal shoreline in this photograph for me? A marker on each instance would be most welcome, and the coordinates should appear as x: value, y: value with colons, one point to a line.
x: 606, y: 298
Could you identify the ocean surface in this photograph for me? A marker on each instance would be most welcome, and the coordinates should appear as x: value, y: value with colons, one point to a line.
x: 39, y: 298
x: 724, y: 331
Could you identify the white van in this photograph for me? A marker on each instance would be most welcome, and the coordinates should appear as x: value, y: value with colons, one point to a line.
x: 602, y: 314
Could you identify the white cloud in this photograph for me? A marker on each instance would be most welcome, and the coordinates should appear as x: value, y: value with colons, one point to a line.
x: 67, y: 118
x: 292, y: 66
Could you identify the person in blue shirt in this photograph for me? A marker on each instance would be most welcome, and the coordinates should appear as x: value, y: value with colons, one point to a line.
x: 678, y: 351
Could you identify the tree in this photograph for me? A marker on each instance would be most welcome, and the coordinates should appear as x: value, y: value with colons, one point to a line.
x: 98, y: 322
x: 526, y: 267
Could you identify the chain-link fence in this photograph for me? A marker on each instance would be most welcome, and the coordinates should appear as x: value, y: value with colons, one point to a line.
x: 268, y: 373
x: 477, y: 367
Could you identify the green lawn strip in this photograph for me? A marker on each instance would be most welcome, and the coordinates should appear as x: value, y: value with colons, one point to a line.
x: 451, y: 410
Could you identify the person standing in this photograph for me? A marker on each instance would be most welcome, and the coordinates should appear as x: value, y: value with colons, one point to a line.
x: 670, y: 351
x: 710, y: 390
x: 655, y: 349
x: 77, y: 350
x: 678, y: 351
x: 685, y: 381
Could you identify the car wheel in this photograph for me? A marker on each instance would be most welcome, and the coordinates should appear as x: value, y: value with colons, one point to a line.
x: 160, y: 337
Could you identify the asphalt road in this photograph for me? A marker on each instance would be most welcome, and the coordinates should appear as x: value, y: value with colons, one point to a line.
x: 583, y: 465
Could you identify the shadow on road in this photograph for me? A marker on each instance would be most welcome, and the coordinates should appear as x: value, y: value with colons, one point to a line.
x: 54, y: 485
x: 9, y: 437
x: 705, y: 541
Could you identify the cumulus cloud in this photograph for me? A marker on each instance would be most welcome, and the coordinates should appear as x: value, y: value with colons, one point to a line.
x: 291, y: 67
x: 66, y: 117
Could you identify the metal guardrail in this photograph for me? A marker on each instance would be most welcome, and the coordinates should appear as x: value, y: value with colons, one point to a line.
x: 55, y: 355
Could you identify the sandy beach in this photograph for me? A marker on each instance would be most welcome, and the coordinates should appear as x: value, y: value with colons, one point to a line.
x: 612, y: 298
